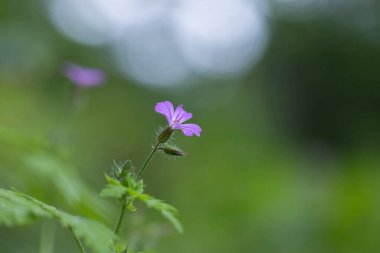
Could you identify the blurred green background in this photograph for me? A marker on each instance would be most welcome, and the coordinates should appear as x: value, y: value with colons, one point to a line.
x: 288, y: 160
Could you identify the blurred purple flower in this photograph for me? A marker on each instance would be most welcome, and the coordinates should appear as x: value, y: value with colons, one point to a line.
x: 177, y: 117
x: 83, y: 77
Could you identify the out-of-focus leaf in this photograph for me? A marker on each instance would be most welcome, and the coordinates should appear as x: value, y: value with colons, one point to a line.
x: 17, y: 209
x: 65, y: 179
x: 49, y: 167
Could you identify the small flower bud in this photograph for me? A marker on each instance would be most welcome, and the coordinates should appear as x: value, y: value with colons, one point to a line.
x: 172, y: 150
x: 165, y: 134
x: 121, y: 169
x: 126, y: 167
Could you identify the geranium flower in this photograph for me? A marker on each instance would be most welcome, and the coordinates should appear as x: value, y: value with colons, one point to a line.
x: 177, y: 117
x: 83, y: 77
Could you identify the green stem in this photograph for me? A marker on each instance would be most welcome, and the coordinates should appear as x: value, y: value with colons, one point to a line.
x: 79, y: 243
x: 139, y: 175
x: 147, y: 161
x: 47, y: 238
x: 121, y: 217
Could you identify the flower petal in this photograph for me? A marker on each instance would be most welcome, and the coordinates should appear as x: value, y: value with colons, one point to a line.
x: 82, y: 76
x: 189, y: 129
x: 165, y: 108
x: 180, y: 115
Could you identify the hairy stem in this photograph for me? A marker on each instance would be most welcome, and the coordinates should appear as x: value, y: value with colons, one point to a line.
x: 147, y: 161
x: 121, y: 218
x: 79, y: 243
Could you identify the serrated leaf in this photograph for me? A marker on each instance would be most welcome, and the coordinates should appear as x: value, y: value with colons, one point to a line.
x: 17, y: 209
x: 111, y: 180
x: 166, y: 210
x: 131, y: 182
x: 139, y: 187
x: 173, y: 220
x: 113, y: 191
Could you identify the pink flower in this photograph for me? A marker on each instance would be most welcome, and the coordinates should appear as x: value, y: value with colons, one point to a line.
x: 83, y: 77
x: 177, y: 117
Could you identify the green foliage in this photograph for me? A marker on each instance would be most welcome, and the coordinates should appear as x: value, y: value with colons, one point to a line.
x: 63, y: 178
x: 18, y: 209
x: 122, y: 169
x: 114, y: 189
x: 46, y: 167
x: 128, y: 189
x: 166, y: 210
x: 15, y: 139
x: 119, y: 249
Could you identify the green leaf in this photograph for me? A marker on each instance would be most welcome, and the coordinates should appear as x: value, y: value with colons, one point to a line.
x: 134, y: 190
x: 132, y: 183
x: 173, y: 220
x: 167, y: 211
x: 15, y: 210
x: 53, y: 171
x: 113, y: 191
x: 111, y: 180
x: 139, y: 187
x: 18, y: 209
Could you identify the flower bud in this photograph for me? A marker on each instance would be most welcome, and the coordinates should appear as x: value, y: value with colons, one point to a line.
x: 165, y: 134
x: 172, y: 150
x: 121, y: 169
x: 126, y: 167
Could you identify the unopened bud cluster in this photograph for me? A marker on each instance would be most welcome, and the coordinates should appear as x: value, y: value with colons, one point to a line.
x: 121, y: 171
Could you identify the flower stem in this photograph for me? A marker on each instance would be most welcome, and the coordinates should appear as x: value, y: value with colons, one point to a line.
x: 147, y: 161
x: 121, y: 218
x: 139, y: 175
x: 79, y: 243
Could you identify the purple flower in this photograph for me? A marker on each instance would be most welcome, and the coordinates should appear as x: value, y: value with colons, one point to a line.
x: 177, y: 117
x: 83, y: 77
